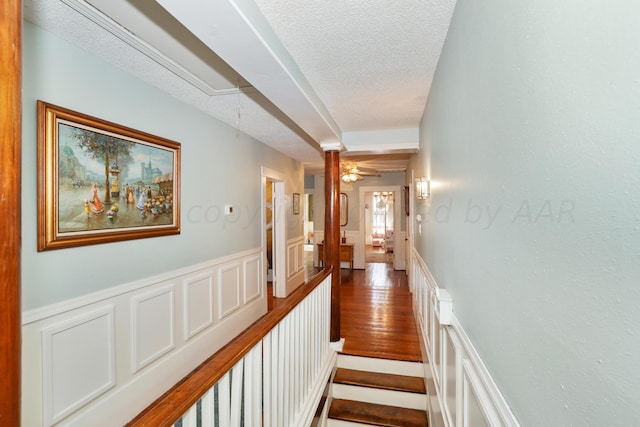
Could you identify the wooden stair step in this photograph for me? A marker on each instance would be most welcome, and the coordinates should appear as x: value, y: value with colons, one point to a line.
x: 379, y: 380
x: 377, y: 415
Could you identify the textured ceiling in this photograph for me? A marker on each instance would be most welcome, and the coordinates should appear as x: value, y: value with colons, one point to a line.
x: 248, y: 111
x: 370, y: 61
x: 361, y: 65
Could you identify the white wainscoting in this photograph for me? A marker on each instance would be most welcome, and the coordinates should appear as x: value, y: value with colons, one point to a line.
x: 295, y: 263
x: 462, y: 392
x: 100, y: 359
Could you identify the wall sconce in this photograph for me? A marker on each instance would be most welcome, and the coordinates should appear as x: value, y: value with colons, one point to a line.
x: 423, y: 188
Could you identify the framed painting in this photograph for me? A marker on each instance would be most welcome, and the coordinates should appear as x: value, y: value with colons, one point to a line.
x: 296, y: 203
x: 100, y: 182
x: 406, y: 200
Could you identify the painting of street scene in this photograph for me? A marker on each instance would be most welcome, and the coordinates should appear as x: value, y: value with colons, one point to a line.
x: 105, y: 182
x: 101, y: 182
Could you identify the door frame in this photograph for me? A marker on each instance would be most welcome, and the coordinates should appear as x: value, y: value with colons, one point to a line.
x: 408, y: 253
x: 278, y: 206
x: 398, y: 262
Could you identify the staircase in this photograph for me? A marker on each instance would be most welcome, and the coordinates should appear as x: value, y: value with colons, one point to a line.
x: 380, y: 392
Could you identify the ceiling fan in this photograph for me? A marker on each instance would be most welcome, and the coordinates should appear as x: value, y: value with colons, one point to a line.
x: 351, y: 173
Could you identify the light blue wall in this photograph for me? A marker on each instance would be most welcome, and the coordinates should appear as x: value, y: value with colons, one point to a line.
x: 219, y: 166
x: 531, y: 137
x: 309, y: 182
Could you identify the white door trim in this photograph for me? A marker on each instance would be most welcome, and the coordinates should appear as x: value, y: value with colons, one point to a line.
x: 279, y: 228
x: 397, y: 225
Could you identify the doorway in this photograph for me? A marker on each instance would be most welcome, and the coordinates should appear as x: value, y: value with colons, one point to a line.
x: 269, y: 228
x: 273, y: 233
x: 379, y: 226
x: 381, y: 212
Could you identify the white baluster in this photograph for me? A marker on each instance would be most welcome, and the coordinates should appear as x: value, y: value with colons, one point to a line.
x: 295, y: 350
x: 208, y: 411
x: 249, y: 402
x: 267, y: 375
x: 189, y: 419
x: 224, y: 400
x: 278, y: 374
x: 286, y: 357
x: 236, y: 393
x: 279, y: 379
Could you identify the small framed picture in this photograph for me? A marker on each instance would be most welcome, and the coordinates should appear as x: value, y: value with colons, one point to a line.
x: 406, y: 200
x: 296, y: 203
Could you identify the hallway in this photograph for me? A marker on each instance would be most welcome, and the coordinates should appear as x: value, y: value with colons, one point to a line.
x: 376, y: 314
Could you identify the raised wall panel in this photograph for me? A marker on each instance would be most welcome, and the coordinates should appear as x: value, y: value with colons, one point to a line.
x: 300, y: 255
x: 473, y: 415
x: 198, y: 303
x: 228, y: 290
x: 152, y: 326
x: 435, y: 336
x: 478, y: 408
x: 252, y: 279
x: 292, y: 260
x: 419, y: 292
x: 426, y: 297
x: 449, y: 376
x: 78, y: 362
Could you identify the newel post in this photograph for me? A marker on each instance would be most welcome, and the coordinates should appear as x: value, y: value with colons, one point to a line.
x: 332, y: 233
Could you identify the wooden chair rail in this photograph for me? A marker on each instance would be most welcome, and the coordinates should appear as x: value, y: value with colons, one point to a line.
x: 169, y: 407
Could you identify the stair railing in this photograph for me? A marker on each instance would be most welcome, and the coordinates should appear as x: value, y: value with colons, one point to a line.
x: 272, y: 374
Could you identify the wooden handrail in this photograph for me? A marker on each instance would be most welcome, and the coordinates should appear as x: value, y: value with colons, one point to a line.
x: 169, y: 407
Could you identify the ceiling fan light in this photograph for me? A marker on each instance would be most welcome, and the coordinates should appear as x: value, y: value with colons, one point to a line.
x: 350, y: 173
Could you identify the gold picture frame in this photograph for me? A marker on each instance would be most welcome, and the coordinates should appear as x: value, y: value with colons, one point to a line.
x: 296, y: 203
x: 100, y: 182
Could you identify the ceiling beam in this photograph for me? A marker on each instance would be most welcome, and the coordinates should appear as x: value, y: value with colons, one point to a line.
x: 237, y: 31
x: 404, y: 140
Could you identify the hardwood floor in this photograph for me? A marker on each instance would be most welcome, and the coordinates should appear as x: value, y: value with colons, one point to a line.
x: 376, y: 314
x: 377, y: 254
